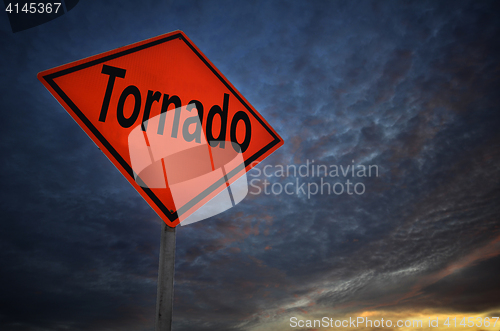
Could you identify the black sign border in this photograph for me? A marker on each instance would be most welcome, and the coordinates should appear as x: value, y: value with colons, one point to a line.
x: 172, y: 216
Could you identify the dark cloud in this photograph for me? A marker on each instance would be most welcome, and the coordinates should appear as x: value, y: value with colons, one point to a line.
x: 468, y: 290
x: 410, y: 87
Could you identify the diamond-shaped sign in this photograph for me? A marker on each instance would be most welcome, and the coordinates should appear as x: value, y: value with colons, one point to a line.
x: 171, y: 123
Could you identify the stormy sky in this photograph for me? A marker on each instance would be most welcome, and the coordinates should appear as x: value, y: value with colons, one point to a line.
x: 411, y: 87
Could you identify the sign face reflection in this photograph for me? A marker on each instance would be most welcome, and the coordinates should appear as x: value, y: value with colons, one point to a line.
x: 171, y: 123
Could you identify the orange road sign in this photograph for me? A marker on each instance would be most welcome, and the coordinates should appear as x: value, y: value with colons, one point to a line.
x: 171, y: 123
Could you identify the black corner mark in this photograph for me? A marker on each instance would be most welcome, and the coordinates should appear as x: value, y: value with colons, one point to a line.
x: 28, y: 14
x: 70, y: 4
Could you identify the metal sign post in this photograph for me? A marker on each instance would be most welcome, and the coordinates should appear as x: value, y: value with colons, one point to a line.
x: 166, y: 270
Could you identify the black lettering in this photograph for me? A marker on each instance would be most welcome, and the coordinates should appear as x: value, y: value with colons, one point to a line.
x: 128, y: 122
x: 197, y: 120
x: 241, y: 116
x: 113, y: 72
x: 199, y: 106
x: 152, y: 97
x: 220, y: 140
x: 164, y: 107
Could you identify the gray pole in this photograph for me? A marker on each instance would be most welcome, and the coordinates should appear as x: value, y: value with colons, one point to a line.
x: 166, y: 269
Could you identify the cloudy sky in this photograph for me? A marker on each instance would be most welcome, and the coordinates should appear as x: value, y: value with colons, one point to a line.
x: 411, y: 87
